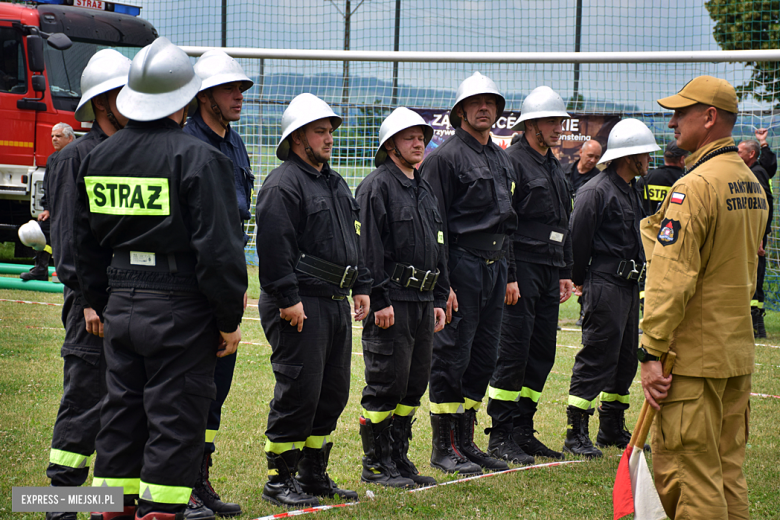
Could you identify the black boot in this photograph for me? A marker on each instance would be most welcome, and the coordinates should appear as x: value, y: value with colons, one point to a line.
x: 402, y: 434
x: 612, y: 429
x: 313, y: 475
x: 69, y: 516
x: 148, y: 510
x: 282, y: 488
x: 577, y: 437
x: 196, y: 510
x: 41, y: 269
x: 503, y: 446
x: 446, y: 454
x: 465, y: 434
x: 759, y: 331
x: 524, y: 437
x: 127, y: 514
x: 378, y: 465
x: 208, y: 496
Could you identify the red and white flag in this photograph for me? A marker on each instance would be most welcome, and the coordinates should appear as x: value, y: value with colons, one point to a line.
x: 634, y: 490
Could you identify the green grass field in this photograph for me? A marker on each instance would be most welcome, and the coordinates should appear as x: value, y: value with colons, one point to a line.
x: 31, y: 387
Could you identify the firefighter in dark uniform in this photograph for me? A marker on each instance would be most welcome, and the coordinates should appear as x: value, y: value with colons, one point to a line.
x: 311, y: 259
x: 219, y: 103
x: 584, y: 169
x: 750, y: 152
x: 403, y: 245
x: 78, y: 419
x: 654, y: 186
x: 609, y: 263
x: 152, y: 208
x: 767, y: 159
x: 542, y: 271
x: 473, y: 182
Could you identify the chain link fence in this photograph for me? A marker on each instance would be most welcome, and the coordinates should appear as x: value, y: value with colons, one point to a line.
x: 364, y: 92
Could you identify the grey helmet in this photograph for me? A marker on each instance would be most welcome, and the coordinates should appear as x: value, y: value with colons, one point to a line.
x: 106, y: 70
x: 401, y: 119
x: 303, y: 109
x: 475, y: 85
x: 629, y: 137
x: 31, y: 235
x: 161, y: 81
x: 215, y: 67
x: 541, y: 102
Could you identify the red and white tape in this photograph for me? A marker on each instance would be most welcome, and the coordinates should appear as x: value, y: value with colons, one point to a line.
x: 766, y: 395
x: 306, y: 511
x: 31, y: 303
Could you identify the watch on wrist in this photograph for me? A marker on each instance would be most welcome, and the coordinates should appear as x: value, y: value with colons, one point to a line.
x: 643, y: 355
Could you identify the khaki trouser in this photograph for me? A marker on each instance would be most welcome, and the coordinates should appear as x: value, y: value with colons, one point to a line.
x: 699, y: 439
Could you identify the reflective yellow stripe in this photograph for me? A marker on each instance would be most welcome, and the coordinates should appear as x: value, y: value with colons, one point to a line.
x: 272, y: 472
x: 211, y: 435
x: 657, y: 193
x: 128, y: 195
x: 47, y: 249
x: 580, y: 403
x: 447, y: 408
x: 641, y: 295
x: 760, y: 305
x: 164, y: 494
x: 68, y: 458
x: 533, y: 395
x: 18, y: 144
x: 405, y: 411
x: 130, y: 485
x: 503, y: 395
x: 316, y: 441
x: 471, y: 404
x: 281, y: 447
x: 756, y: 303
x: 608, y: 398
x: 376, y: 417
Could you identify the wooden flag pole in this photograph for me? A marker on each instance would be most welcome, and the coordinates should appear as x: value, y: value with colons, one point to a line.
x: 647, y: 414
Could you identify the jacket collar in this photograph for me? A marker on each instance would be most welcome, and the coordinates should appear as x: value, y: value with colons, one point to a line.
x: 617, y: 180
x: 707, y: 148
x: 308, y: 168
x: 470, y: 141
x: 400, y: 176
x: 197, y: 120
x: 539, y: 158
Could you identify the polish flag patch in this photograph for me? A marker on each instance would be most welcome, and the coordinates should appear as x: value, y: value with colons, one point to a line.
x: 677, y: 198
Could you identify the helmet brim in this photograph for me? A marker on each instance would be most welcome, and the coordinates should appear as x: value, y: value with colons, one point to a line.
x: 381, y: 154
x: 611, y: 155
x: 84, y: 110
x: 283, y: 148
x: 142, y: 106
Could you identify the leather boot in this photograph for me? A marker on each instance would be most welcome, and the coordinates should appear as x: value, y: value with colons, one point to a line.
x: 759, y: 331
x: 523, y: 434
x: 313, y: 475
x: 127, y: 514
x: 196, y: 510
x: 469, y: 449
x: 282, y: 488
x: 148, y: 510
x: 73, y: 516
x: 503, y: 446
x: 612, y: 429
x: 446, y: 454
x: 378, y: 465
x: 402, y: 434
x: 154, y: 515
x: 577, y: 437
x: 41, y: 269
x: 205, y: 491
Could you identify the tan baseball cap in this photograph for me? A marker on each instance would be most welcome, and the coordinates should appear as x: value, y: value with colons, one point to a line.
x: 708, y: 90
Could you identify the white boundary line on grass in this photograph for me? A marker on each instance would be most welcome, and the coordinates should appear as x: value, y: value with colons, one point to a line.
x: 486, y: 475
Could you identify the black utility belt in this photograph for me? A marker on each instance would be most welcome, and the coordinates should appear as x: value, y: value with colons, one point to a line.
x: 482, y: 241
x: 625, y: 269
x: 542, y: 232
x: 340, y: 276
x: 149, y: 261
x: 410, y: 276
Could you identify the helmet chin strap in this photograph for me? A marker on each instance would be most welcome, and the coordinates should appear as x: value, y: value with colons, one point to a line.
x: 404, y: 161
x: 215, y: 108
x: 539, y: 136
x: 109, y: 114
x: 309, y: 151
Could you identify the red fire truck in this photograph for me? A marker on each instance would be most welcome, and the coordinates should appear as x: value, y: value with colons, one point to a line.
x: 44, y: 47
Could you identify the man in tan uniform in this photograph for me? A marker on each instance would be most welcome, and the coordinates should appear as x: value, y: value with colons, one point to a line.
x: 702, y: 246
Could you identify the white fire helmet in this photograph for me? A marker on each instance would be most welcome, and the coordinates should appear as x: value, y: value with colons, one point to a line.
x: 216, y: 67
x: 401, y: 119
x: 475, y: 85
x: 106, y: 70
x: 541, y: 102
x: 629, y: 137
x: 303, y: 109
x: 30, y: 234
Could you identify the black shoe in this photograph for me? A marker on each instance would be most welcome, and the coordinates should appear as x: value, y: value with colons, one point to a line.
x: 402, y: 434
x: 205, y: 491
x: 127, y: 514
x: 67, y: 516
x: 612, y: 429
x: 577, y: 436
x: 313, y: 475
x: 282, y: 488
x: 196, y: 510
x: 446, y: 454
x: 465, y: 433
x: 578, y: 323
x: 759, y: 330
x: 378, y: 465
x: 524, y: 437
x: 41, y: 269
x: 503, y: 446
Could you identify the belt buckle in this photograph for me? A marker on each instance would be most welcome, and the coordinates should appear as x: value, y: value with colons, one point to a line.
x: 642, y: 274
x: 425, y: 279
x: 344, y: 276
x: 633, y: 274
x: 411, y: 276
